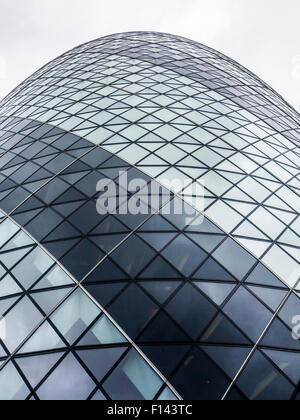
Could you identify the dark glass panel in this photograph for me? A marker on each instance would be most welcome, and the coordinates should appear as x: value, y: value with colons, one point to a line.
x: 199, y: 379
x: 133, y: 310
x: 191, y: 310
x: 248, y: 313
x: 234, y: 258
x: 261, y: 381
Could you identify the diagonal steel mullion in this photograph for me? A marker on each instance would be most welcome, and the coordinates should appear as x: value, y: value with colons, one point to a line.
x: 78, y: 285
x: 256, y: 346
x: 155, y: 180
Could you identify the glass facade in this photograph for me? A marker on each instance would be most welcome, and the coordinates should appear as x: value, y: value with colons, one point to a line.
x: 147, y: 306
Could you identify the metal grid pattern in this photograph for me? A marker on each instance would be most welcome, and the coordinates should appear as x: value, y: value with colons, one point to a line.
x: 66, y: 345
x: 152, y: 98
x: 202, y: 312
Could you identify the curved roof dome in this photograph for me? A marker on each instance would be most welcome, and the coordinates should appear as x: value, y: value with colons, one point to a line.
x: 147, y: 305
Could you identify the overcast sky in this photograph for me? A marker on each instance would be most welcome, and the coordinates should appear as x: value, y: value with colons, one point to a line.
x: 263, y: 35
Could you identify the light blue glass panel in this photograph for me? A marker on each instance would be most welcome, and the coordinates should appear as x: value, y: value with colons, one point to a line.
x: 103, y: 332
x: 167, y: 395
x: 12, y: 386
x: 36, y: 367
x: 20, y: 321
x: 45, y: 338
x: 68, y: 382
x: 75, y: 315
x: 133, y: 379
x: 32, y: 267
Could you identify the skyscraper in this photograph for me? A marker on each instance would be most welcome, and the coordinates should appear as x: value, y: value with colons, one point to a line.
x: 149, y: 305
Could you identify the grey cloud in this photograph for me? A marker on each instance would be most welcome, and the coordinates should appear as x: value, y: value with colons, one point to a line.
x: 262, y: 35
